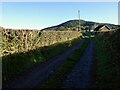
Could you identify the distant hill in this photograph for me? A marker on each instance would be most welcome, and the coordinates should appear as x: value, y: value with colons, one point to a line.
x: 73, y: 25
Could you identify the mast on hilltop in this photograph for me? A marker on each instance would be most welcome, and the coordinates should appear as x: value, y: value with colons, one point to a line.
x: 79, y: 28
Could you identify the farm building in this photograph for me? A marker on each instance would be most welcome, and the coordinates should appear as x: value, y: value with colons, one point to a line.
x: 102, y: 28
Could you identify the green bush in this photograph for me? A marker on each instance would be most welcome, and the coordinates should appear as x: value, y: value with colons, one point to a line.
x: 14, y: 41
x: 108, y: 59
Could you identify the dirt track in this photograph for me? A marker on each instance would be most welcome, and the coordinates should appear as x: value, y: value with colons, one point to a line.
x: 80, y: 76
x: 38, y: 74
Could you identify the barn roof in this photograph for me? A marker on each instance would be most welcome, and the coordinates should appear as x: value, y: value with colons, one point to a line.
x: 101, y: 26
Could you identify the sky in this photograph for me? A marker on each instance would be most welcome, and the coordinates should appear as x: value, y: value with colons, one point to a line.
x: 39, y: 15
x: 119, y: 13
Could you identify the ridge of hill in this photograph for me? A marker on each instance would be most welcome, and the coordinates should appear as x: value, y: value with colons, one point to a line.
x: 73, y: 25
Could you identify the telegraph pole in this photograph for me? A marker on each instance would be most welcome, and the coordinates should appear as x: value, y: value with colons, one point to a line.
x: 79, y: 28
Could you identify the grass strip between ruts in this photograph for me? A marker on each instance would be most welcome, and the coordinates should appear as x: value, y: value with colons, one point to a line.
x: 56, y: 79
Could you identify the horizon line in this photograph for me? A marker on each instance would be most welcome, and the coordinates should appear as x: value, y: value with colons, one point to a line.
x: 6, y: 27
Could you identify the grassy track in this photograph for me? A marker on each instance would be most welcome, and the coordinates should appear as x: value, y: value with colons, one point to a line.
x: 56, y: 78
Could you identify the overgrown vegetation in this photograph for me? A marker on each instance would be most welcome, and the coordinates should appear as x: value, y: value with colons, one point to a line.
x: 14, y: 41
x: 108, y: 60
x: 56, y: 79
x: 16, y: 63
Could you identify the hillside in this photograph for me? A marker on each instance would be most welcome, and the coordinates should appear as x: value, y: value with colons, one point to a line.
x: 73, y: 25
